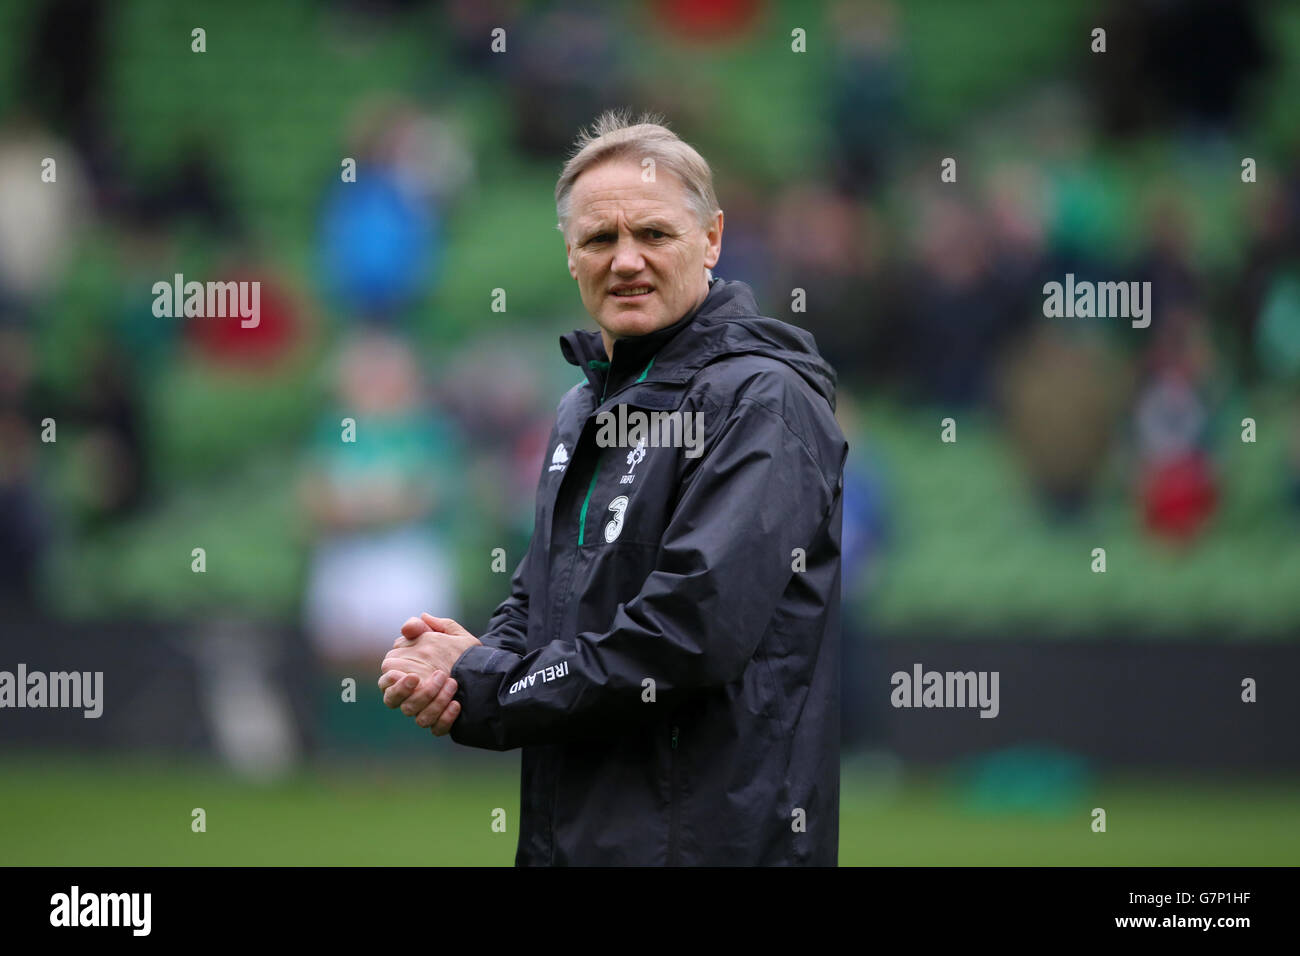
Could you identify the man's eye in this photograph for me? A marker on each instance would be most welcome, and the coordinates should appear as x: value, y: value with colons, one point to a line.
x: 656, y: 234
x: 602, y: 237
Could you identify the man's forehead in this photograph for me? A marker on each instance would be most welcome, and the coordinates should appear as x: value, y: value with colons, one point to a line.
x: 636, y: 212
x: 620, y: 187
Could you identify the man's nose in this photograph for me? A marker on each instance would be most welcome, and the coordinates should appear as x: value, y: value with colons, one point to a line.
x: 627, y: 256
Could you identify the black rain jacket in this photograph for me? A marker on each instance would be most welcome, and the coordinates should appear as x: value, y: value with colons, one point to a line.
x: 668, y: 658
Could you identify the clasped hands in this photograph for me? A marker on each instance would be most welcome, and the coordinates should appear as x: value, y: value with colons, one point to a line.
x: 416, y: 674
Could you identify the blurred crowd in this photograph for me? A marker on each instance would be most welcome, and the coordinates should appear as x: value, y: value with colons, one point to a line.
x: 927, y: 291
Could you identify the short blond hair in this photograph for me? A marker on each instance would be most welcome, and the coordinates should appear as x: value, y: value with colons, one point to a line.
x: 615, y: 134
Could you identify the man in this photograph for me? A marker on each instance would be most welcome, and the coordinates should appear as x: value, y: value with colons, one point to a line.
x: 668, y: 658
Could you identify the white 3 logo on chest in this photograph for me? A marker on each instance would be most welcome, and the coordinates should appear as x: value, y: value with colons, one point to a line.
x: 618, y: 506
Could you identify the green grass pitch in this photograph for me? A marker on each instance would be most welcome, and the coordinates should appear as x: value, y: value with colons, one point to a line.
x: 92, y: 812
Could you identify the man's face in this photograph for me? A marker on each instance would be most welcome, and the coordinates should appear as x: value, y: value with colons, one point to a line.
x: 629, y: 236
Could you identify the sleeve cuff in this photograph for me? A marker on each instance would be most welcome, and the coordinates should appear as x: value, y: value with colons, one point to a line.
x: 478, y: 675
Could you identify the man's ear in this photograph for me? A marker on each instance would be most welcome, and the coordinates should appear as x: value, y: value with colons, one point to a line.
x: 568, y: 252
x: 713, y: 251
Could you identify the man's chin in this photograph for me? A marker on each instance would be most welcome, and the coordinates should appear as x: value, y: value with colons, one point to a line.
x: 628, y: 322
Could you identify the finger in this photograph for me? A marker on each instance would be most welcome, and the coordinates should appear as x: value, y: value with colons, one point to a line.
x: 400, y: 663
x: 443, y: 624
x: 396, y: 695
x: 425, y: 694
x: 401, y: 690
x: 443, y: 726
x: 390, y: 677
x: 413, y: 628
x: 427, y: 716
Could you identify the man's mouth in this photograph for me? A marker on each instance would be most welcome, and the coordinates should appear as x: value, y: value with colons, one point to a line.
x: 633, y: 292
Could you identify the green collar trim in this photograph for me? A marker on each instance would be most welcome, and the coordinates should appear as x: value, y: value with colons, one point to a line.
x: 598, y: 363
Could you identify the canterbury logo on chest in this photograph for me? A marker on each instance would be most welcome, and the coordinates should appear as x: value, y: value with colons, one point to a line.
x: 559, y: 458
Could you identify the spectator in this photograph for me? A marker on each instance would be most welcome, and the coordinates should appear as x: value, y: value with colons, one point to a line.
x: 379, y: 502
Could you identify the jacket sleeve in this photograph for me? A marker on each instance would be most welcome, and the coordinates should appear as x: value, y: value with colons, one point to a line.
x: 725, y: 559
x: 507, y: 629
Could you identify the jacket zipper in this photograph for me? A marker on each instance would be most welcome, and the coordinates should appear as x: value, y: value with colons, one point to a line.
x: 672, y: 801
x: 582, y: 515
